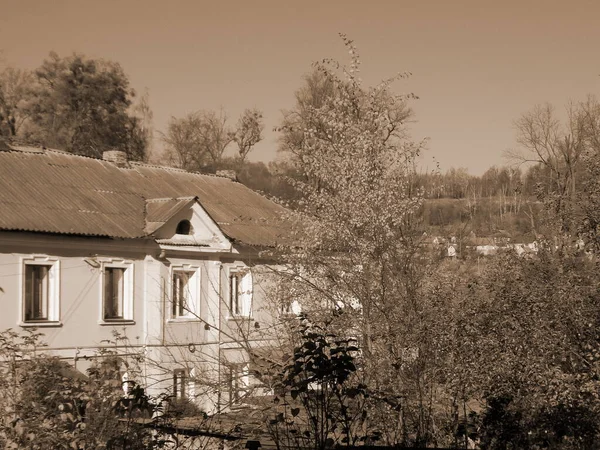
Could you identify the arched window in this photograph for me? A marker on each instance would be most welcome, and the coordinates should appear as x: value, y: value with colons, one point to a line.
x: 184, y: 227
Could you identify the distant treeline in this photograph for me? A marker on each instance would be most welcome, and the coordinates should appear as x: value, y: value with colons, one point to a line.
x: 501, y: 201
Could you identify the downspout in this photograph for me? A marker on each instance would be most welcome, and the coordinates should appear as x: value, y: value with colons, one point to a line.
x: 163, y: 288
x: 219, y: 318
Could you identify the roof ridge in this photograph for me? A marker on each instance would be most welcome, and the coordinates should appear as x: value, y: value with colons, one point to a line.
x: 178, y: 169
x: 44, y: 150
x: 166, y: 199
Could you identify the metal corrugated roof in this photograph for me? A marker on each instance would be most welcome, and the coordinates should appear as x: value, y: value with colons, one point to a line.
x: 57, y: 192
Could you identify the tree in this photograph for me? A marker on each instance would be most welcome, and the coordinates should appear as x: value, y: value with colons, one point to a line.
x: 557, y: 147
x: 15, y: 86
x: 142, y: 131
x: 317, y: 89
x: 248, y: 132
x: 198, y: 141
x: 214, y: 134
x: 48, y: 404
x: 360, y: 269
x: 530, y: 325
x: 82, y: 105
x: 183, y: 143
x: 320, y: 402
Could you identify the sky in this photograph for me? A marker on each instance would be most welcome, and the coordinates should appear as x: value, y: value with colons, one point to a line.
x: 476, y: 65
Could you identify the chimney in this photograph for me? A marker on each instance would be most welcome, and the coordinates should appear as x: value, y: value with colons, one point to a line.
x: 227, y: 174
x: 117, y: 157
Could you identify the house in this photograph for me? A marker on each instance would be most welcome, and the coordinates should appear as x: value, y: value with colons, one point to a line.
x: 149, y: 260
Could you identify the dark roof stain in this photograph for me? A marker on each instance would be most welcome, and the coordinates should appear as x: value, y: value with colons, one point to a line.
x: 52, y: 191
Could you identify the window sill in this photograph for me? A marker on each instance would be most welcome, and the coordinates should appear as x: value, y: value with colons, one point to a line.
x: 239, y: 318
x: 44, y: 324
x: 183, y: 319
x: 288, y: 315
x: 115, y: 322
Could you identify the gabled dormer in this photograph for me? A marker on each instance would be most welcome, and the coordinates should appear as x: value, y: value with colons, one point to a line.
x: 182, y: 222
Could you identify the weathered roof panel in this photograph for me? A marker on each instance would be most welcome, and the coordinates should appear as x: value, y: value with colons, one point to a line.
x: 57, y: 192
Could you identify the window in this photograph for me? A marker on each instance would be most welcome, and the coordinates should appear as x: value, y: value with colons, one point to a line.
x: 237, y: 382
x: 235, y: 306
x: 181, y: 293
x: 184, y: 227
x: 180, y: 381
x: 289, y: 308
x: 40, y: 290
x: 117, y: 292
x: 185, y: 292
x: 114, y: 293
x: 240, y: 293
x: 286, y: 303
x: 37, y: 283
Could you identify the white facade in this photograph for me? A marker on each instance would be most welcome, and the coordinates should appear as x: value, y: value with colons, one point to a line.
x: 171, y: 297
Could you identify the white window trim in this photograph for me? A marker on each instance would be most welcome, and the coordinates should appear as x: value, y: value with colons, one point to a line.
x: 53, y: 291
x: 127, y: 291
x: 246, y: 292
x: 241, y: 373
x: 287, y: 304
x: 195, y: 283
x: 189, y: 383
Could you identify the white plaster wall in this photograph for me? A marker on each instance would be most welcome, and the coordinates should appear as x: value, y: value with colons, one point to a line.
x: 80, y: 300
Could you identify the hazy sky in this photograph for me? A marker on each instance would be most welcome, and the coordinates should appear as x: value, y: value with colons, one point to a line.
x: 476, y: 65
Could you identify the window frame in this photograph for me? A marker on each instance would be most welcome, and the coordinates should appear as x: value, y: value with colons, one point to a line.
x: 181, y: 378
x: 52, y: 300
x: 184, y: 225
x: 192, y: 313
x: 244, y: 297
x: 127, y: 300
x: 238, y: 381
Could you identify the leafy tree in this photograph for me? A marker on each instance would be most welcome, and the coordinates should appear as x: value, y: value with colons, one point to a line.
x: 82, y: 105
x: 15, y: 86
x: 360, y: 270
x: 317, y: 90
x: 533, y: 326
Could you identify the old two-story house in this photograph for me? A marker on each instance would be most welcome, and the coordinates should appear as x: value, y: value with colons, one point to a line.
x: 171, y: 260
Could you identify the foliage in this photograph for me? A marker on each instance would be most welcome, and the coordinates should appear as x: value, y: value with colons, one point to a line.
x: 360, y: 270
x: 15, y: 86
x: 48, y: 404
x: 82, y: 105
x: 319, y: 401
x: 316, y: 91
x: 532, y: 326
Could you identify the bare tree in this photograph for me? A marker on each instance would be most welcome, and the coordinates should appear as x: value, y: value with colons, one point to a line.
x: 184, y: 145
x: 214, y: 133
x: 558, y: 147
x: 248, y: 131
x: 198, y: 140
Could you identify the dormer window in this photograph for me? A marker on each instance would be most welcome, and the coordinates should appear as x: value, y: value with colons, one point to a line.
x: 184, y: 227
